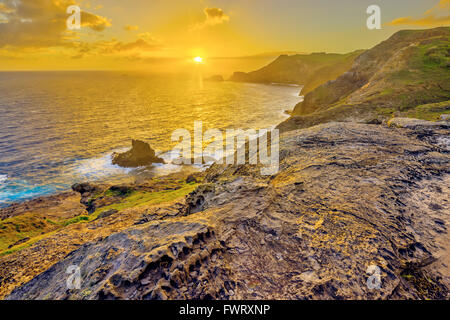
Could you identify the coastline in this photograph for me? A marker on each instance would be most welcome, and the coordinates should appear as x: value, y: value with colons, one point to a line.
x: 358, y: 209
x: 241, y: 216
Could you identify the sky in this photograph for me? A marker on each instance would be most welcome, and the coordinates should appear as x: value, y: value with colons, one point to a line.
x: 166, y: 35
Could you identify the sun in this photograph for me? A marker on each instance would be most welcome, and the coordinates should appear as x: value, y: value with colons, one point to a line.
x: 198, y: 59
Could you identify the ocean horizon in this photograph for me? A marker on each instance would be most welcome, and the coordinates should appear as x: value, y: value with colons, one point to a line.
x: 61, y: 128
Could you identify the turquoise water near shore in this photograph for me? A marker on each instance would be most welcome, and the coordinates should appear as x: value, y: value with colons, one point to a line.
x: 59, y: 128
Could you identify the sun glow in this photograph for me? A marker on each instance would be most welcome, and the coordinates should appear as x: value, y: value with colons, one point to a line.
x: 198, y: 59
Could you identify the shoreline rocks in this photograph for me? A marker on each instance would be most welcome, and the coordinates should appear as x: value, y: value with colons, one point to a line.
x: 215, y: 78
x: 140, y: 154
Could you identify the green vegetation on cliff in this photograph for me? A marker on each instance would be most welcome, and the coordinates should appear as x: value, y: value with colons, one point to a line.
x: 309, y: 70
x: 138, y: 198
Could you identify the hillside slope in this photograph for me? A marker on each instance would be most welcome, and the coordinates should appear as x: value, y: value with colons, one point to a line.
x: 309, y: 70
x: 410, y: 69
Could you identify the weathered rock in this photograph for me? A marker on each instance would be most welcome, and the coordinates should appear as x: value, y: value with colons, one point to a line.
x: 347, y: 197
x: 87, y: 192
x: 121, y: 190
x: 141, y: 154
x: 194, y: 177
x: 84, y: 188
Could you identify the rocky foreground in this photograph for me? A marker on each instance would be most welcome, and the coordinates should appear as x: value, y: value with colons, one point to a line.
x: 347, y: 196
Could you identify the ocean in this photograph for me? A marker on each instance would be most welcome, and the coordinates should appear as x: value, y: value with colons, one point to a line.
x: 60, y: 128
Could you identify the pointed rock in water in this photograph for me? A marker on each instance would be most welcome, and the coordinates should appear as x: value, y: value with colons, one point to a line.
x: 141, y: 154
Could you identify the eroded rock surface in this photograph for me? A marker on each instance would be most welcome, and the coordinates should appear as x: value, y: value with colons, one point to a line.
x: 347, y: 196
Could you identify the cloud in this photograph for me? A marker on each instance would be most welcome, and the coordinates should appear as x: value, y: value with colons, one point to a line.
x: 214, y: 16
x: 144, y: 44
x: 428, y: 21
x: 41, y: 23
x: 131, y: 28
x: 31, y: 26
x: 443, y: 4
x: 430, y: 18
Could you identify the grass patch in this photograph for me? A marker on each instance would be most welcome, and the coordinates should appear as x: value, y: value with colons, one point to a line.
x: 425, y: 78
x: 27, y: 244
x: 75, y: 220
x: 387, y: 112
x: 432, y: 55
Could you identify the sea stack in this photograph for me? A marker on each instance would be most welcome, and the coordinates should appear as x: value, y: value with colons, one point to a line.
x: 141, y: 154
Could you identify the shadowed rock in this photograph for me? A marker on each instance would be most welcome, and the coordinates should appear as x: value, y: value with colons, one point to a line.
x: 141, y: 154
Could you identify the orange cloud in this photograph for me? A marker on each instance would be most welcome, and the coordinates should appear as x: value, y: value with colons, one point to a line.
x: 5, y: 9
x: 93, y: 21
x: 140, y: 44
x: 431, y: 18
x: 144, y: 44
x: 428, y: 21
x: 214, y: 16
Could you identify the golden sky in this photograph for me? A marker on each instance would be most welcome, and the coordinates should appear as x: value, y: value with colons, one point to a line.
x: 165, y: 35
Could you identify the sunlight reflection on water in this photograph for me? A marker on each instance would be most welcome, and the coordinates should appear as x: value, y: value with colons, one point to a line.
x: 58, y: 128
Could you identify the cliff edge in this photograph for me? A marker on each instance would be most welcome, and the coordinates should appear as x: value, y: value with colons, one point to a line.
x: 348, y: 198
